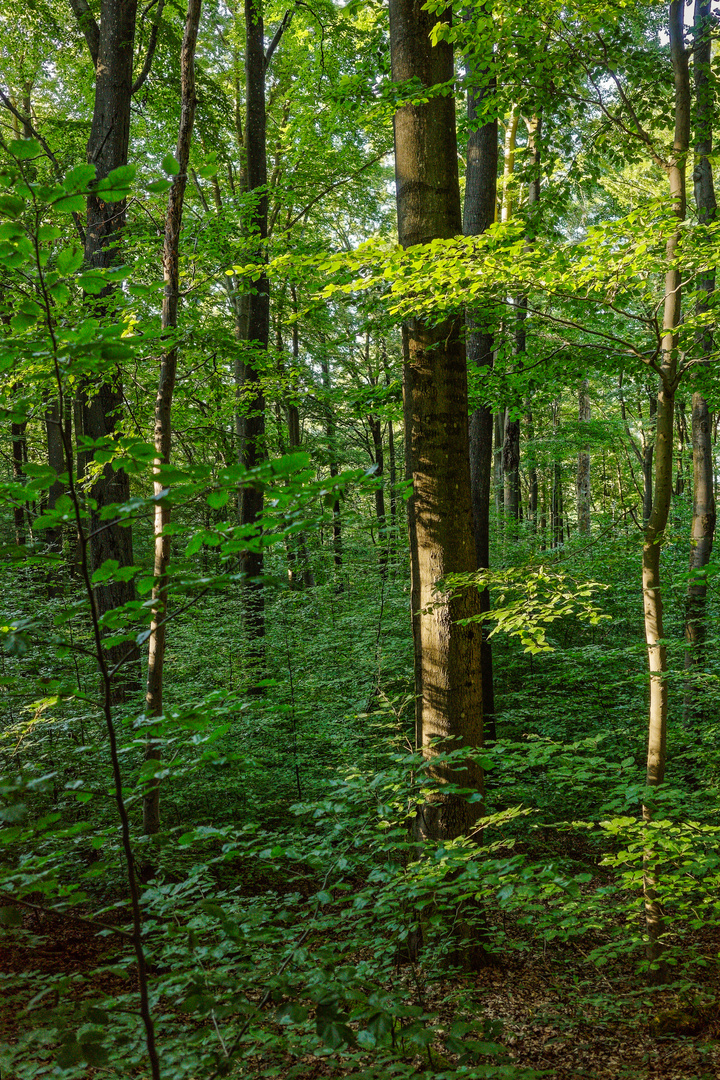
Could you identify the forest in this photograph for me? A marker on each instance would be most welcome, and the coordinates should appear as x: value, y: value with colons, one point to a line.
x: 359, y: 414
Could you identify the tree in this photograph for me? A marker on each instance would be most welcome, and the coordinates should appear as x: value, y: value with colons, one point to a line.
x: 703, y: 519
x: 479, y: 214
x: 163, y: 404
x: 110, y: 44
x: 448, y: 681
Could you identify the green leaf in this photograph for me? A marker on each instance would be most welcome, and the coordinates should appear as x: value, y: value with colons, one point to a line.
x: 11, y: 205
x: 25, y: 148
x: 69, y: 260
x: 170, y: 165
x: 120, y: 177
x: 158, y: 186
x: 79, y: 178
x: 70, y: 204
x: 218, y: 499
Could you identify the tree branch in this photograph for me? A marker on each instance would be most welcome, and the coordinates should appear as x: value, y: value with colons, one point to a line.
x: 151, y: 46
x: 86, y: 22
x: 286, y: 19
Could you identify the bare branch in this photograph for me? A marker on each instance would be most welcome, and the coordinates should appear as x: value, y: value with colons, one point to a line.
x: 151, y: 46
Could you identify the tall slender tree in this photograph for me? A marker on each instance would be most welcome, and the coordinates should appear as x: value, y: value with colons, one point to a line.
x: 703, y: 519
x: 479, y: 213
x: 668, y: 380
x: 163, y: 402
x: 110, y: 43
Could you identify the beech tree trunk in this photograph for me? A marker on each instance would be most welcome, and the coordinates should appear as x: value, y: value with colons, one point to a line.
x: 163, y: 405
x: 448, y: 678
x: 652, y: 596
x: 511, y: 469
x: 703, y: 519
x: 111, y: 45
x: 256, y: 324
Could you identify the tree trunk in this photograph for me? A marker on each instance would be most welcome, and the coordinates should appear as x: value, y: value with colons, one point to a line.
x: 682, y: 437
x: 648, y: 450
x: 511, y: 472
x: 56, y: 461
x: 447, y: 656
x: 703, y: 519
x: 378, y: 457
x: 392, y: 533
x: 652, y: 597
x: 556, y: 501
x: 257, y: 329
x: 296, y: 545
x: 332, y: 453
x: 583, y: 470
x: 498, y: 439
x: 163, y: 406
x: 107, y: 149
x: 19, y: 457
x: 531, y: 467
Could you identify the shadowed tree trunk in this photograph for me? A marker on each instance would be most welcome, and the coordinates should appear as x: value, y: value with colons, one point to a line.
x: 110, y: 43
x: 56, y: 461
x: 163, y: 407
x: 448, y: 682
x: 19, y: 459
x: 255, y: 328
x: 299, y: 569
x: 703, y: 519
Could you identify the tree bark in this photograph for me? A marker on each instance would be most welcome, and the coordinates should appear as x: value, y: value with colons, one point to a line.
x: 447, y: 656
x: 107, y: 149
x: 652, y: 596
x: 163, y: 405
x: 703, y: 518
x: 296, y: 545
x: 257, y: 329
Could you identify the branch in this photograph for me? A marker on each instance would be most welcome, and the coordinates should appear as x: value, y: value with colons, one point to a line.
x: 151, y: 45
x: 86, y: 22
x: 286, y: 19
x: 331, y: 187
x: 649, y: 360
x: 27, y: 124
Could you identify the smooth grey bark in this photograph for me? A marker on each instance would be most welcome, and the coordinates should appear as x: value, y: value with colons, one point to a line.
x: 448, y: 679
x: 668, y: 372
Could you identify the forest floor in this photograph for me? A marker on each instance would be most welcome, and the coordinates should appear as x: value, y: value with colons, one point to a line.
x: 548, y: 1023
